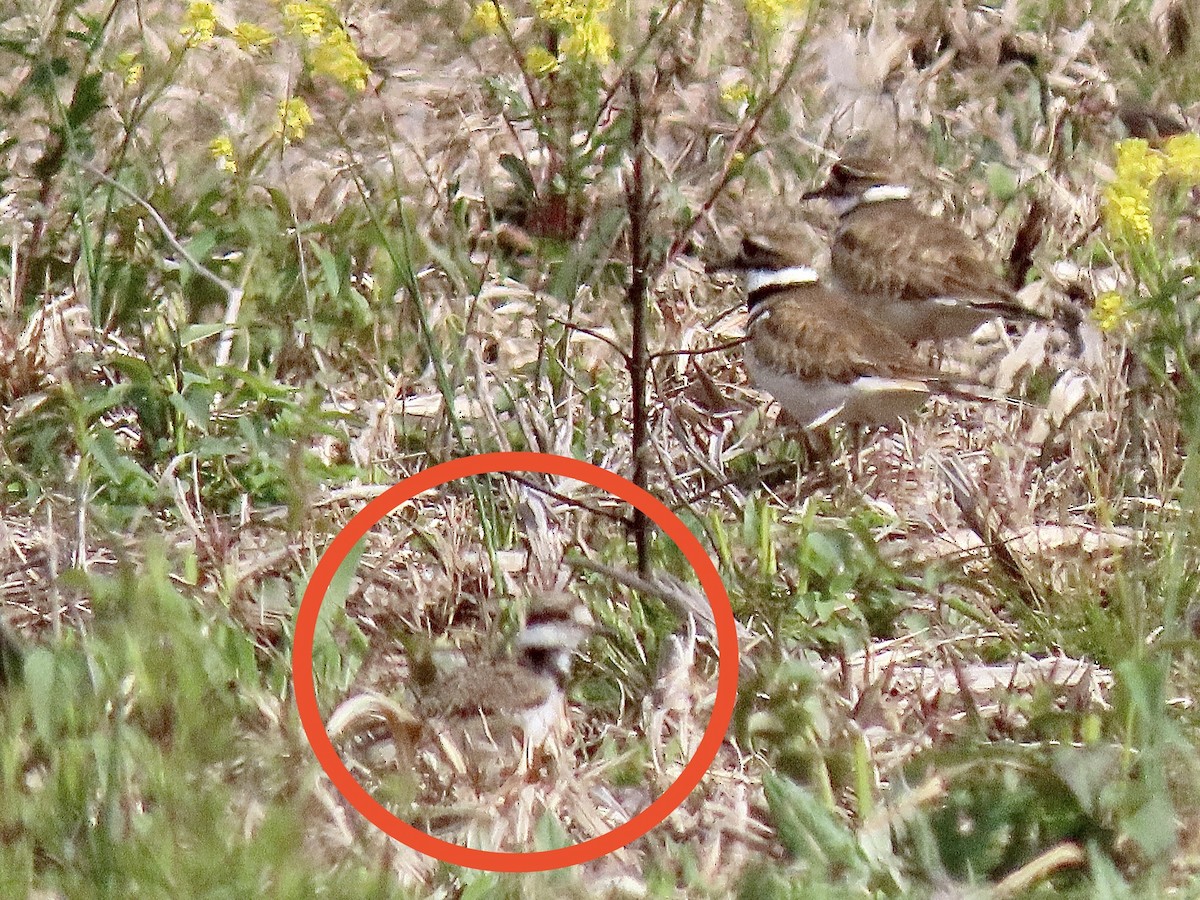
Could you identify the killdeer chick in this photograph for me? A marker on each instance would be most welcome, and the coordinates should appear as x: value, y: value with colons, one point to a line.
x: 525, y: 693
x: 920, y: 275
x: 489, y: 704
x: 826, y: 359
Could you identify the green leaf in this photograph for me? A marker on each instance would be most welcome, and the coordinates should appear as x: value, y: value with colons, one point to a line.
x: 330, y: 271
x: 136, y: 370
x: 1088, y: 772
x: 1153, y: 826
x: 44, y: 699
x: 582, y: 264
x: 1107, y: 882
x: 549, y: 833
x: 1002, y: 181
x: 521, y: 176
x: 484, y: 887
x: 807, y: 829
x: 334, y: 602
x: 195, y: 412
x: 88, y: 100
x: 822, y: 554
x: 190, y: 334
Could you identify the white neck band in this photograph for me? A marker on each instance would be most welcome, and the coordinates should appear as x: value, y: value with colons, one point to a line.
x: 757, y: 279
x: 886, y: 192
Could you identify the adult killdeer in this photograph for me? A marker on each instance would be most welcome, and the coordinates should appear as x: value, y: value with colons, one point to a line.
x: 921, y: 275
x: 822, y: 356
x: 516, y: 701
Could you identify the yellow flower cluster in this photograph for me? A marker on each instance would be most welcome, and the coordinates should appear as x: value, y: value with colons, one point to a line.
x: 1183, y: 158
x: 331, y: 52
x: 200, y: 26
x: 199, y: 23
x: 251, y: 37
x: 588, y: 39
x: 540, y: 62
x: 310, y: 18
x: 1127, y: 211
x: 487, y: 17
x: 1109, y: 310
x: 221, y: 148
x: 1139, y: 167
x: 1138, y: 161
x: 736, y: 93
x: 1127, y: 199
x: 132, y: 66
x: 294, y: 118
x: 771, y: 15
x: 566, y: 12
x: 335, y: 57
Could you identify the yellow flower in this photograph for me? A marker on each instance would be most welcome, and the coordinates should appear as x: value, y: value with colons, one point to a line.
x: 486, y: 18
x: 330, y: 52
x: 134, y: 69
x: 589, y: 41
x: 587, y: 38
x: 540, y: 62
x: 221, y: 148
x: 552, y: 10
x: 1138, y: 162
x: 1127, y: 200
x: 565, y: 12
x: 772, y: 14
x: 199, y: 23
x: 311, y: 18
x: 1183, y: 158
x: 736, y: 93
x: 1127, y: 211
x: 335, y: 57
x: 570, y: 12
x: 294, y: 118
x: 252, y: 38
x: 1109, y: 310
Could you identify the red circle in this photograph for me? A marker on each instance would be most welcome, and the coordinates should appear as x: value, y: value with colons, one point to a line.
x: 493, y: 860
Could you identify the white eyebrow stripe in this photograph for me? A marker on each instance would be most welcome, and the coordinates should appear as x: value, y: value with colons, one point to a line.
x: 886, y: 192
x: 757, y: 279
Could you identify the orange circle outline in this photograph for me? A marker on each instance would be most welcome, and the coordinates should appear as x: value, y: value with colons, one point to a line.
x: 304, y: 682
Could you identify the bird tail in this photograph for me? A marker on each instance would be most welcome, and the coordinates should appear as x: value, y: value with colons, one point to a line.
x: 1011, y: 310
x: 963, y: 390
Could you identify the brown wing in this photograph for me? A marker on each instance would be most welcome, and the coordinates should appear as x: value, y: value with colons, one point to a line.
x: 818, y: 333
x: 496, y: 688
x: 905, y: 253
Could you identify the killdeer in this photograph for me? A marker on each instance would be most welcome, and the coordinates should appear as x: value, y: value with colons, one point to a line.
x: 823, y: 357
x: 497, y: 703
x: 921, y: 275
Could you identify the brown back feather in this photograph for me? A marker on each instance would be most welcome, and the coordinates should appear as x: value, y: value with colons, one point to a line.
x: 817, y: 332
x: 504, y: 686
x: 913, y: 256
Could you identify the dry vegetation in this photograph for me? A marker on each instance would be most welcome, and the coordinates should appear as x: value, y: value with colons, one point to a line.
x: 966, y: 653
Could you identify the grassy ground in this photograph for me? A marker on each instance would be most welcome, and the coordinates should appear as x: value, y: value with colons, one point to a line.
x: 225, y: 324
